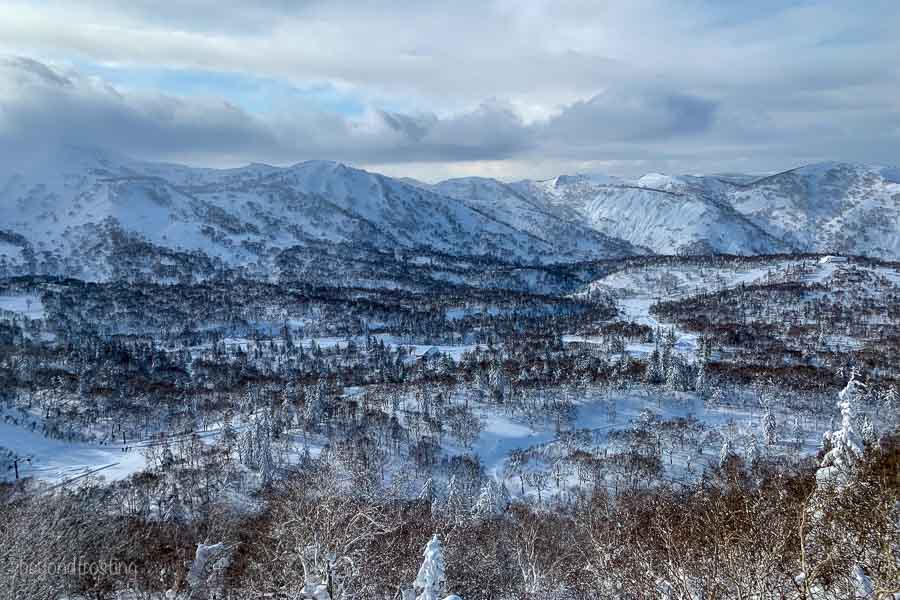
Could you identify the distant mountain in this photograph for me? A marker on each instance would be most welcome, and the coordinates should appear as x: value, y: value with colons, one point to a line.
x: 820, y: 208
x: 664, y: 221
x: 530, y: 213
x: 86, y: 213
x: 827, y: 208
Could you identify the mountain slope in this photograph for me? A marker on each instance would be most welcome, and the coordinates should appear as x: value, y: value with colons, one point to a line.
x: 665, y: 222
x: 564, y: 229
x: 827, y: 208
x: 86, y: 213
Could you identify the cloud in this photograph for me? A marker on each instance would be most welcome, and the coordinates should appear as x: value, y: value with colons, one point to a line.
x: 644, y: 84
x: 51, y: 105
x: 632, y: 115
x: 41, y: 105
x: 46, y: 105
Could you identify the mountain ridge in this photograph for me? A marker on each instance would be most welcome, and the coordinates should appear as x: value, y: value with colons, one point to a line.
x: 75, y: 211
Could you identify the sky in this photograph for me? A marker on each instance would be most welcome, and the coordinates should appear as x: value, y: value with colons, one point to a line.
x: 500, y: 88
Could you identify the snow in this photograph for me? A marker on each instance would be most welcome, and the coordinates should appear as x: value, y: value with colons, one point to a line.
x: 330, y: 342
x: 65, y: 201
x: 827, y: 207
x: 533, y: 215
x: 666, y: 222
x: 207, y: 558
x: 500, y: 435
x: 431, y: 579
x: 635, y: 291
x: 600, y: 411
x: 63, y: 462
x: 824, y: 207
x: 455, y: 314
x: 28, y: 305
x: 657, y: 181
x: 455, y: 352
x: 10, y: 252
x: 847, y: 445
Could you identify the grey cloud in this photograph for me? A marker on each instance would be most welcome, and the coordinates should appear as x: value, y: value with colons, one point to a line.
x: 413, y: 128
x: 491, y: 131
x: 632, y: 115
x: 632, y: 127
x: 29, y: 68
x: 48, y: 106
x: 744, y: 57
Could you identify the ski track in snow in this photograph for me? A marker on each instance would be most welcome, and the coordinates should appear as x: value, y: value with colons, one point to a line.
x: 62, y: 462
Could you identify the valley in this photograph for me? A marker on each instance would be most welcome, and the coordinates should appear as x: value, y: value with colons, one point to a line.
x: 196, y: 352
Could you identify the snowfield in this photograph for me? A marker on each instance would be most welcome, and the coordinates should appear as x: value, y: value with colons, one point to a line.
x: 61, y: 462
x: 27, y: 305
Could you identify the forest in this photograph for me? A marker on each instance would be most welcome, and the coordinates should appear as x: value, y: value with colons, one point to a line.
x: 696, y: 427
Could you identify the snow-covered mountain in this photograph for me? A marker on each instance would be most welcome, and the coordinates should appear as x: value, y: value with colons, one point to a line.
x: 90, y: 214
x: 87, y: 213
x: 662, y: 221
x: 565, y: 229
x: 820, y: 208
x: 827, y: 207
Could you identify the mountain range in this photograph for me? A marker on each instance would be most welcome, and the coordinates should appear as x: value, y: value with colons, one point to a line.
x: 87, y: 213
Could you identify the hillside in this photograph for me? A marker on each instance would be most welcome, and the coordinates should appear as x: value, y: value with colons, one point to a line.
x: 662, y: 221
x: 93, y: 215
x: 88, y: 214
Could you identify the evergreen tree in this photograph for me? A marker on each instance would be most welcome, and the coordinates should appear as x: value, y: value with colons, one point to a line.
x: 456, y: 502
x: 726, y: 453
x: 753, y: 453
x: 701, y: 386
x: 770, y: 428
x: 846, y: 450
x: 492, y: 500
x: 867, y: 431
x: 427, y: 494
x: 431, y: 580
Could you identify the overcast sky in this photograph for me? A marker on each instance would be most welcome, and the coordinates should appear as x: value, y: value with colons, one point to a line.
x: 502, y: 88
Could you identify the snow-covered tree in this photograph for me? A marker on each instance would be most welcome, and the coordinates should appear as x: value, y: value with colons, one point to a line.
x: 174, y: 510
x: 497, y: 382
x: 206, y: 573
x: 427, y: 494
x: 770, y: 428
x: 315, y: 404
x: 797, y: 432
x: 654, y: 372
x: 890, y: 401
x: 867, y: 430
x: 492, y: 500
x: 725, y: 453
x: 673, y: 376
x: 864, y: 588
x: 229, y: 433
x: 701, y: 385
x: 431, y: 581
x: 457, y: 507
x: 846, y: 444
x: 753, y: 452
